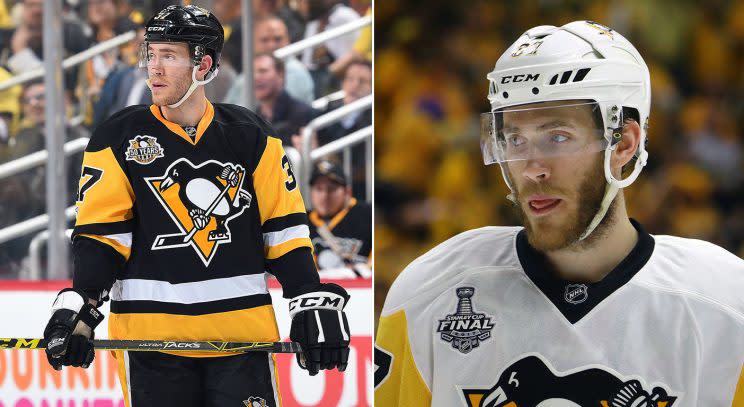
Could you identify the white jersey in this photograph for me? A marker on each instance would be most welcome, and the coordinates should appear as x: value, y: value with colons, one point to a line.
x: 480, y: 322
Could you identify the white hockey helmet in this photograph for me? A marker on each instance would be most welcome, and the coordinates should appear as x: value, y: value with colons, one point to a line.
x: 580, y: 61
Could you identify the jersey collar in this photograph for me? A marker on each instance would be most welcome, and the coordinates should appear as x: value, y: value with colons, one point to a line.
x: 575, y: 299
x: 318, y: 221
x: 176, y: 128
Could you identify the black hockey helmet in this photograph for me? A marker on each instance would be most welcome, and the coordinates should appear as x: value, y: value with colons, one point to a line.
x: 190, y: 24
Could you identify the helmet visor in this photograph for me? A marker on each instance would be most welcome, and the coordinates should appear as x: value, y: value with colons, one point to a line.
x: 541, y: 131
x: 164, y: 54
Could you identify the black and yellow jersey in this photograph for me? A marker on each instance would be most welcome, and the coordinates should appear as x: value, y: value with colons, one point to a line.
x: 179, y: 226
x: 352, y: 228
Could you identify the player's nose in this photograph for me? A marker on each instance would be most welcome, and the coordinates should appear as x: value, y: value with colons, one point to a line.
x: 536, y: 170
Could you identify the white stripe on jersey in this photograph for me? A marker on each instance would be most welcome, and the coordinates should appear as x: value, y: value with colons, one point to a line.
x: 125, y: 239
x: 189, y: 293
x: 292, y: 232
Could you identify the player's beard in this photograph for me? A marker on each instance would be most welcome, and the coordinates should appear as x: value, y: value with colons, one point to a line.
x: 176, y: 90
x: 550, y: 233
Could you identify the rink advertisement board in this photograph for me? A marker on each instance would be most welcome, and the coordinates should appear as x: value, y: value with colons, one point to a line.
x: 27, y: 380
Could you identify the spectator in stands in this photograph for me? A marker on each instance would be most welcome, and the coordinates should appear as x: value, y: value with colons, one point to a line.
x: 124, y: 86
x: 340, y: 227
x: 10, y: 112
x: 325, y: 15
x: 24, y: 195
x: 356, y: 84
x: 284, y: 112
x: 31, y: 138
x: 271, y: 34
x: 361, y: 50
x: 21, y: 48
x: 293, y: 20
x: 105, y: 23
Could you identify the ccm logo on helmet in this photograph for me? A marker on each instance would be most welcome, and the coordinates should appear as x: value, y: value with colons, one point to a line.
x: 314, y: 302
x: 519, y: 78
x: 155, y: 28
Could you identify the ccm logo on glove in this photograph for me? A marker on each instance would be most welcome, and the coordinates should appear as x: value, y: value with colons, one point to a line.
x: 316, y: 301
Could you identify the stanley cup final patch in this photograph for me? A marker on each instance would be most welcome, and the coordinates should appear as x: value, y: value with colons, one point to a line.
x: 465, y: 329
x: 144, y: 150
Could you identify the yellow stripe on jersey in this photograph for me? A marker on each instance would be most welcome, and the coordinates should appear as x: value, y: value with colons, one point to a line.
x: 277, y: 190
x: 106, y: 193
x: 122, y: 370
x: 403, y: 386
x: 176, y: 128
x: 278, y: 195
x: 115, y: 244
x: 220, y: 326
x: 739, y: 393
x: 274, y: 252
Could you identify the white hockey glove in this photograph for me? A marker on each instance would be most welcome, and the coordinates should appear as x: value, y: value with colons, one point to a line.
x: 319, y: 324
x: 70, y: 330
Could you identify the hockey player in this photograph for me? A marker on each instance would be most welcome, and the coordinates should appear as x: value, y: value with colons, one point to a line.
x: 182, y: 207
x: 581, y: 307
x: 340, y: 227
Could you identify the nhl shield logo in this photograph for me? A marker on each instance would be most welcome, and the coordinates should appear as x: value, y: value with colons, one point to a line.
x: 465, y: 329
x: 576, y: 293
x: 201, y: 200
x: 144, y: 150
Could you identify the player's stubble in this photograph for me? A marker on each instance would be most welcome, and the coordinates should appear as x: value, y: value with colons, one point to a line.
x: 174, y: 91
x: 550, y: 234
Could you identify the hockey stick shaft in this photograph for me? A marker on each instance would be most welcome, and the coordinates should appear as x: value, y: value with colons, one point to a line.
x: 160, y: 345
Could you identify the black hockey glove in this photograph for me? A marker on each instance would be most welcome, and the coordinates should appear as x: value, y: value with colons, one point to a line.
x: 70, y: 330
x: 319, y: 324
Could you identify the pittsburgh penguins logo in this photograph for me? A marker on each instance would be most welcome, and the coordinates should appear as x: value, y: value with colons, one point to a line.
x: 531, y: 382
x: 255, y: 402
x: 328, y: 259
x: 201, y: 200
x: 144, y: 150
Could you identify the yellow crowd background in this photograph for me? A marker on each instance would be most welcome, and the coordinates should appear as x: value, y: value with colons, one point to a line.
x: 431, y: 61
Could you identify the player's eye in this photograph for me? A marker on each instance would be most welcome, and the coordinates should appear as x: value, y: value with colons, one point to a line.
x: 558, y: 138
x: 515, y: 140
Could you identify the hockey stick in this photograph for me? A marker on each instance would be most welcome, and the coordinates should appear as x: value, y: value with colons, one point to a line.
x: 159, y: 345
x: 328, y: 236
x: 179, y: 239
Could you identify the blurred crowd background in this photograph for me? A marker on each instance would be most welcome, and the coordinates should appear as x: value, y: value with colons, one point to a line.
x: 431, y: 61
x: 289, y: 93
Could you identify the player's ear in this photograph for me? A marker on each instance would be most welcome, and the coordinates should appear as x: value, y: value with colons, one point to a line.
x: 626, y: 148
x: 204, y: 67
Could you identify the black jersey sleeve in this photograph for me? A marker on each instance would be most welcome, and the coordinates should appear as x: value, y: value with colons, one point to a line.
x: 284, y: 222
x: 102, y: 237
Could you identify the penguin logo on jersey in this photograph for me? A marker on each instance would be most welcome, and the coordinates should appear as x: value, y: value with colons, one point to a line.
x: 255, y: 402
x: 201, y: 200
x: 144, y: 150
x: 532, y: 382
x: 465, y: 328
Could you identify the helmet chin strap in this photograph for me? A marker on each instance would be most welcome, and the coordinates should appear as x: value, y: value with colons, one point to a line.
x: 611, y: 188
x: 614, y: 185
x: 194, y: 83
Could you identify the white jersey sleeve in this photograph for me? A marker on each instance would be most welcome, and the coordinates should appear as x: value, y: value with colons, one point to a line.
x: 404, y: 369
